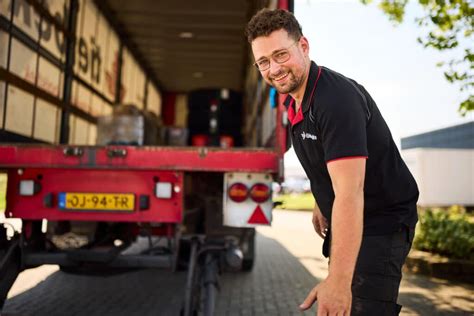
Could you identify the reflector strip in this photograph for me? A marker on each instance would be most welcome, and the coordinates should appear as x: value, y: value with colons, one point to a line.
x: 258, y: 217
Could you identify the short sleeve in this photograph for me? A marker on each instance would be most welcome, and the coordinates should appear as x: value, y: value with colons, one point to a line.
x: 343, y: 125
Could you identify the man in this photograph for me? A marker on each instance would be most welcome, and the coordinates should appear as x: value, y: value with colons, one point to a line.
x: 366, y: 197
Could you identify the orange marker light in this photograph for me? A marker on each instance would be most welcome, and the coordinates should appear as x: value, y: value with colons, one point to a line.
x: 238, y: 192
x: 260, y: 192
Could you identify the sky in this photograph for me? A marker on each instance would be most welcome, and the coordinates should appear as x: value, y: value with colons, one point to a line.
x: 361, y: 43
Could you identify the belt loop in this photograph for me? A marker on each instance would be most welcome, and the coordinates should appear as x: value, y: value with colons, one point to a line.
x: 404, y: 232
x: 410, y: 234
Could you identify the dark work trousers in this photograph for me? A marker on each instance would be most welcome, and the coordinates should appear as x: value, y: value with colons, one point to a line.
x: 378, y: 273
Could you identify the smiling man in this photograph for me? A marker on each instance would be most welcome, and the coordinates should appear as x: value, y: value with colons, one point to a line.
x: 366, y: 196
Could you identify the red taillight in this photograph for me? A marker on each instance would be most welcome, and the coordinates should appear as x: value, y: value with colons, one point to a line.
x: 238, y: 192
x: 260, y: 192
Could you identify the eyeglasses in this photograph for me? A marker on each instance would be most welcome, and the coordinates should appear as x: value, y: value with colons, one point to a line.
x: 279, y: 57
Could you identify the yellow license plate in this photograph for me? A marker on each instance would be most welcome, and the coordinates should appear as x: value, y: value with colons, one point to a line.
x: 97, y: 201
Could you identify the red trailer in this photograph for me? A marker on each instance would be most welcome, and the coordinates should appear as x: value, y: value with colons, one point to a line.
x: 190, y: 200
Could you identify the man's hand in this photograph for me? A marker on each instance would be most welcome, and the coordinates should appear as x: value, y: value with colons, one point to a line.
x: 319, y: 222
x: 334, y: 298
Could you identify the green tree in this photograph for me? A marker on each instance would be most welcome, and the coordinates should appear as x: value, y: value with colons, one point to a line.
x: 450, y: 26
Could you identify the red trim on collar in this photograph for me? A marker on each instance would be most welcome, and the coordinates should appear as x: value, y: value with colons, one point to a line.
x: 298, y: 117
x: 292, y: 117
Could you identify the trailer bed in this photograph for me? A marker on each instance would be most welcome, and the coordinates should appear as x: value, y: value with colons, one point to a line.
x: 140, y: 158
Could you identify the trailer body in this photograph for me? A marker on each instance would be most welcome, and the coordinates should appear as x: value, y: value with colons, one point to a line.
x: 190, y: 185
x: 445, y: 177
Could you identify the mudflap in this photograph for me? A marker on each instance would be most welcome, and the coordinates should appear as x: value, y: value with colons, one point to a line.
x: 10, y: 263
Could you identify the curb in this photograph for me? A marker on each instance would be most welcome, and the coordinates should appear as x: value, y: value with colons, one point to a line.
x: 421, y: 262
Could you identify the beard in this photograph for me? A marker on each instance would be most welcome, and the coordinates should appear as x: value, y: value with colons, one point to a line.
x: 291, y: 84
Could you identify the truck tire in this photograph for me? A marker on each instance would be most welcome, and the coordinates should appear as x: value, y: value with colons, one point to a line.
x: 249, y: 255
x: 247, y: 265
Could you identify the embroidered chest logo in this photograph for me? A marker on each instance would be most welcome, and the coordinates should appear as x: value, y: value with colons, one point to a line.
x: 305, y: 135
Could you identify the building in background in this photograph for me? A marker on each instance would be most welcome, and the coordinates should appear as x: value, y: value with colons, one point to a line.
x: 442, y: 162
x: 454, y: 137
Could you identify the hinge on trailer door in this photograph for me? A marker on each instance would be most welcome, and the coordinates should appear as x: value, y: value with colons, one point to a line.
x: 116, y: 153
x: 202, y: 152
x: 73, y: 151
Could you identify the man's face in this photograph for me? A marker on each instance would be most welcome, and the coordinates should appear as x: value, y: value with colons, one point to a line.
x: 288, y: 76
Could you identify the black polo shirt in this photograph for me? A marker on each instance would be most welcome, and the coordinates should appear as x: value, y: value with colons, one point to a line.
x: 339, y: 120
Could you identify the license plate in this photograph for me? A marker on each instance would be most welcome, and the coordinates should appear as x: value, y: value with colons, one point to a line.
x: 97, y: 201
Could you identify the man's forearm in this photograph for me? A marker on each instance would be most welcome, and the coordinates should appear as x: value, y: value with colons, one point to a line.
x: 346, y: 236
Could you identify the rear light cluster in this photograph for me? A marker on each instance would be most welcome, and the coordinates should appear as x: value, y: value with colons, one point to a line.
x: 29, y: 187
x: 259, y: 192
x: 164, y: 190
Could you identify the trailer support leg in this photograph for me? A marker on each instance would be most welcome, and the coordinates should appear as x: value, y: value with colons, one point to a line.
x: 202, y: 281
x: 190, y: 280
x: 210, y: 284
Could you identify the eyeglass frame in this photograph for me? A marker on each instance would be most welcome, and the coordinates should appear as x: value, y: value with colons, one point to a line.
x: 287, y: 49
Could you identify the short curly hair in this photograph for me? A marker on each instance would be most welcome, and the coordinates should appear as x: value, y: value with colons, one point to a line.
x: 266, y: 21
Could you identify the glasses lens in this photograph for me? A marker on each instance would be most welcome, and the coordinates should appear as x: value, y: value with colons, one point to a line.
x: 281, y: 56
x: 263, y: 64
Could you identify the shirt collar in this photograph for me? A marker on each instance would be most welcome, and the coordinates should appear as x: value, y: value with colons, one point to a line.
x: 293, y: 117
x: 313, y: 74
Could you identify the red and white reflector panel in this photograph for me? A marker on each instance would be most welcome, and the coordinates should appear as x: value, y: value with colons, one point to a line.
x: 247, y: 199
x: 258, y: 217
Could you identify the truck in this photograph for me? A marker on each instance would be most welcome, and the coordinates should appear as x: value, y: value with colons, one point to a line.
x: 136, y: 134
x: 444, y: 175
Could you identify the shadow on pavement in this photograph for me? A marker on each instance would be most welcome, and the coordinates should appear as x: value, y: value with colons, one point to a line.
x: 144, y: 292
x: 418, y: 304
x: 276, y: 286
x: 423, y: 295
